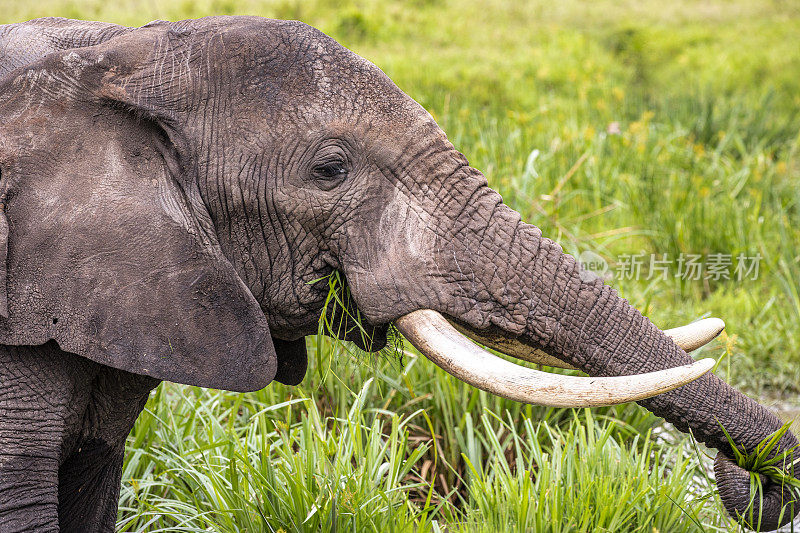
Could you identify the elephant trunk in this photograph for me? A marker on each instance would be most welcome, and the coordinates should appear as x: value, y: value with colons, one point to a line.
x: 592, y: 328
x: 521, y: 285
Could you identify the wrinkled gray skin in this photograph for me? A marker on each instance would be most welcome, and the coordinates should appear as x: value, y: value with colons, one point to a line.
x: 169, y: 191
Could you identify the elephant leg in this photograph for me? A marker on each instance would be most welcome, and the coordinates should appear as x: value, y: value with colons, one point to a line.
x: 88, y: 488
x: 89, y: 477
x: 41, y: 399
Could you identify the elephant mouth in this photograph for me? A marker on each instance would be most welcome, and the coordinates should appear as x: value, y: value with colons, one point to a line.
x: 446, y: 345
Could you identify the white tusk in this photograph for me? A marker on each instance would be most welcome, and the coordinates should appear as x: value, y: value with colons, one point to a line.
x: 689, y: 338
x: 435, y: 337
x: 692, y: 336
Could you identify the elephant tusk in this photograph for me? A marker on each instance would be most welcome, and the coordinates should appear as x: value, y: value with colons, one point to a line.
x: 689, y: 338
x: 692, y: 336
x: 439, y: 341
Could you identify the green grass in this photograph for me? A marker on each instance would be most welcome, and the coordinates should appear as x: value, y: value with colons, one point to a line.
x: 322, y: 457
x: 650, y: 127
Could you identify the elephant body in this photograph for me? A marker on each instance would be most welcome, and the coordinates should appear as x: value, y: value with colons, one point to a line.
x: 170, y: 192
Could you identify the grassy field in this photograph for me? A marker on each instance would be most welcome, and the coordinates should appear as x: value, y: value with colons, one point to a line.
x: 633, y: 130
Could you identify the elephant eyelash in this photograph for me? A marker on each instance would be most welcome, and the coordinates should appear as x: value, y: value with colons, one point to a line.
x: 330, y: 171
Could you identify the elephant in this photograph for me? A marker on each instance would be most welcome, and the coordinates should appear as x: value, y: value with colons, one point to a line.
x: 168, y: 193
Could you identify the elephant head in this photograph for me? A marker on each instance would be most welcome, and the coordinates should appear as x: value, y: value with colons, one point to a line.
x: 169, y: 193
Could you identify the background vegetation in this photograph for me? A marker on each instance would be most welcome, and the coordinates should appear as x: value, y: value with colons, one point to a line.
x: 620, y: 128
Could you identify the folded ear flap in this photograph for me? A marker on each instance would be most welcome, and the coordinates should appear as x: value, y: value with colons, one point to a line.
x: 25, y: 42
x: 112, y: 254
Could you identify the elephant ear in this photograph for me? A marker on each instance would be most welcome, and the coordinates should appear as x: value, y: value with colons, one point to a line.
x: 109, y: 249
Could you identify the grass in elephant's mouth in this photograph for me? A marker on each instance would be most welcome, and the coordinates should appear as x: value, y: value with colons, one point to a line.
x: 341, y: 318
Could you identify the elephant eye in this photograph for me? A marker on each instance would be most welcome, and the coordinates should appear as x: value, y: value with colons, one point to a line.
x: 330, y: 171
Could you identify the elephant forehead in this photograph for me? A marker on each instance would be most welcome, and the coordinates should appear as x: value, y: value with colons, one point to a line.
x: 310, y: 68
